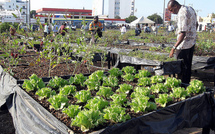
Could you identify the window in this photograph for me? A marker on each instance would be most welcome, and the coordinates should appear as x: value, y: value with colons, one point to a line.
x: 9, y: 6
x: 23, y: 13
x: 132, y: 8
x: 132, y: 3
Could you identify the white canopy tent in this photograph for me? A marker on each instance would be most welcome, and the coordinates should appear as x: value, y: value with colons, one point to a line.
x: 141, y: 20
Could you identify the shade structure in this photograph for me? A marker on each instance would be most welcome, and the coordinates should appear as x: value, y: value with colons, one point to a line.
x: 141, y: 20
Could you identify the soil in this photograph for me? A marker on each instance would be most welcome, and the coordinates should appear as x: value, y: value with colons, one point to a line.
x: 29, y: 66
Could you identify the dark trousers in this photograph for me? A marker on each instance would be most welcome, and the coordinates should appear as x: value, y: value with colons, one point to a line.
x: 187, y: 56
x: 45, y: 34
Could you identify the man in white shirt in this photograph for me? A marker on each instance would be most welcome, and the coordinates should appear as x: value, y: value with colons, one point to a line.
x: 186, y: 39
x: 123, y: 29
x: 170, y: 28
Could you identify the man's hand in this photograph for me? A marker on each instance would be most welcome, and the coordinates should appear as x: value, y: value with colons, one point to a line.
x: 171, y: 53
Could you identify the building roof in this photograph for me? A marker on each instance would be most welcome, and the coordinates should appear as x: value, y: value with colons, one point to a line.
x: 64, y: 11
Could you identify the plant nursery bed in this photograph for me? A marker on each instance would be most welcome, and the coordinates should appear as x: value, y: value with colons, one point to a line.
x: 100, y: 113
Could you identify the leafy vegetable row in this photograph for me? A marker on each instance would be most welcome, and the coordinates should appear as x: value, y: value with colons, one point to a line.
x: 112, y: 99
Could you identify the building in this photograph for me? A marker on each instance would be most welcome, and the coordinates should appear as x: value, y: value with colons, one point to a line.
x: 73, y: 16
x: 7, y: 7
x: 121, y: 8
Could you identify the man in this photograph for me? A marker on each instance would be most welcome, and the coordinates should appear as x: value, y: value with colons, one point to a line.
x: 170, y: 28
x: 137, y: 30
x: 186, y: 39
x: 63, y: 29
x: 154, y: 29
x: 123, y: 29
x: 46, y: 29
x: 95, y: 28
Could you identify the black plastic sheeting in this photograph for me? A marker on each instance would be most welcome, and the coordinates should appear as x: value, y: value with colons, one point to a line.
x: 30, y: 117
x: 160, y: 68
x: 197, y: 111
x: 203, y: 62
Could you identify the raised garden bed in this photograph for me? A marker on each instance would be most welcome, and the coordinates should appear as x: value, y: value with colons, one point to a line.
x: 193, y: 112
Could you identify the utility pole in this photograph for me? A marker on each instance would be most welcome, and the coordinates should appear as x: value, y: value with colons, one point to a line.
x: 103, y: 7
x: 26, y: 12
x: 29, y: 8
x: 163, y: 13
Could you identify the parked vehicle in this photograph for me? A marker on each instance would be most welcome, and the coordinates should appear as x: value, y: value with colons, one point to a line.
x: 111, y: 26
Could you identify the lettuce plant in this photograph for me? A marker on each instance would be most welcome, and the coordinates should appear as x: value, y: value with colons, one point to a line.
x: 141, y: 103
x: 143, y: 73
x: 145, y: 81
x: 128, y: 77
x: 179, y: 92
x: 96, y: 103
x: 79, y: 79
x: 99, y: 74
x: 115, y: 114
x: 196, y: 86
x: 172, y: 82
x: 157, y: 79
x: 34, y: 83
x: 124, y: 88
x: 129, y: 70
x: 57, y: 82
x: 88, y: 119
x: 72, y: 110
x: 158, y: 88
x: 163, y: 99
x: 83, y: 96
x: 110, y: 81
x: 115, y: 72
x: 58, y: 101
x: 45, y: 92
x: 119, y: 99
x: 105, y: 91
x: 93, y: 83
x: 144, y: 91
x: 67, y: 90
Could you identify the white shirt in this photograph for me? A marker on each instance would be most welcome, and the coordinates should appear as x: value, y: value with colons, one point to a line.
x: 186, y: 21
x: 154, y: 28
x: 170, y: 28
x: 46, y: 29
x: 123, y: 29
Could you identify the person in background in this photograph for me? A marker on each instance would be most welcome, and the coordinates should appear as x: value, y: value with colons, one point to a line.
x: 46, y: 29
x: 85, y: 27
x: 63, y: 29
x: 146, y: 28
x: 137, y: 30
x: 55, y: 29
x: 123, y: 29
x: 95, y: 28
x: 170, y: 28
x: 186, y: 37
x: 154, y: 29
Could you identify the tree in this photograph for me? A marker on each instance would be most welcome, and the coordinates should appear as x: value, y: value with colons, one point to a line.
x: 213, y: 15
x: 117, y: 17
x: 156, y: 18
x: 33, y: 13
x: 130, y: 19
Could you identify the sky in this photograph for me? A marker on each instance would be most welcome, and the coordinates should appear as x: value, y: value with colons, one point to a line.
x: 144, y: 7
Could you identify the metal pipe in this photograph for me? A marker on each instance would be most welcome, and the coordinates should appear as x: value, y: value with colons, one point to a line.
x: 163, y: 13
